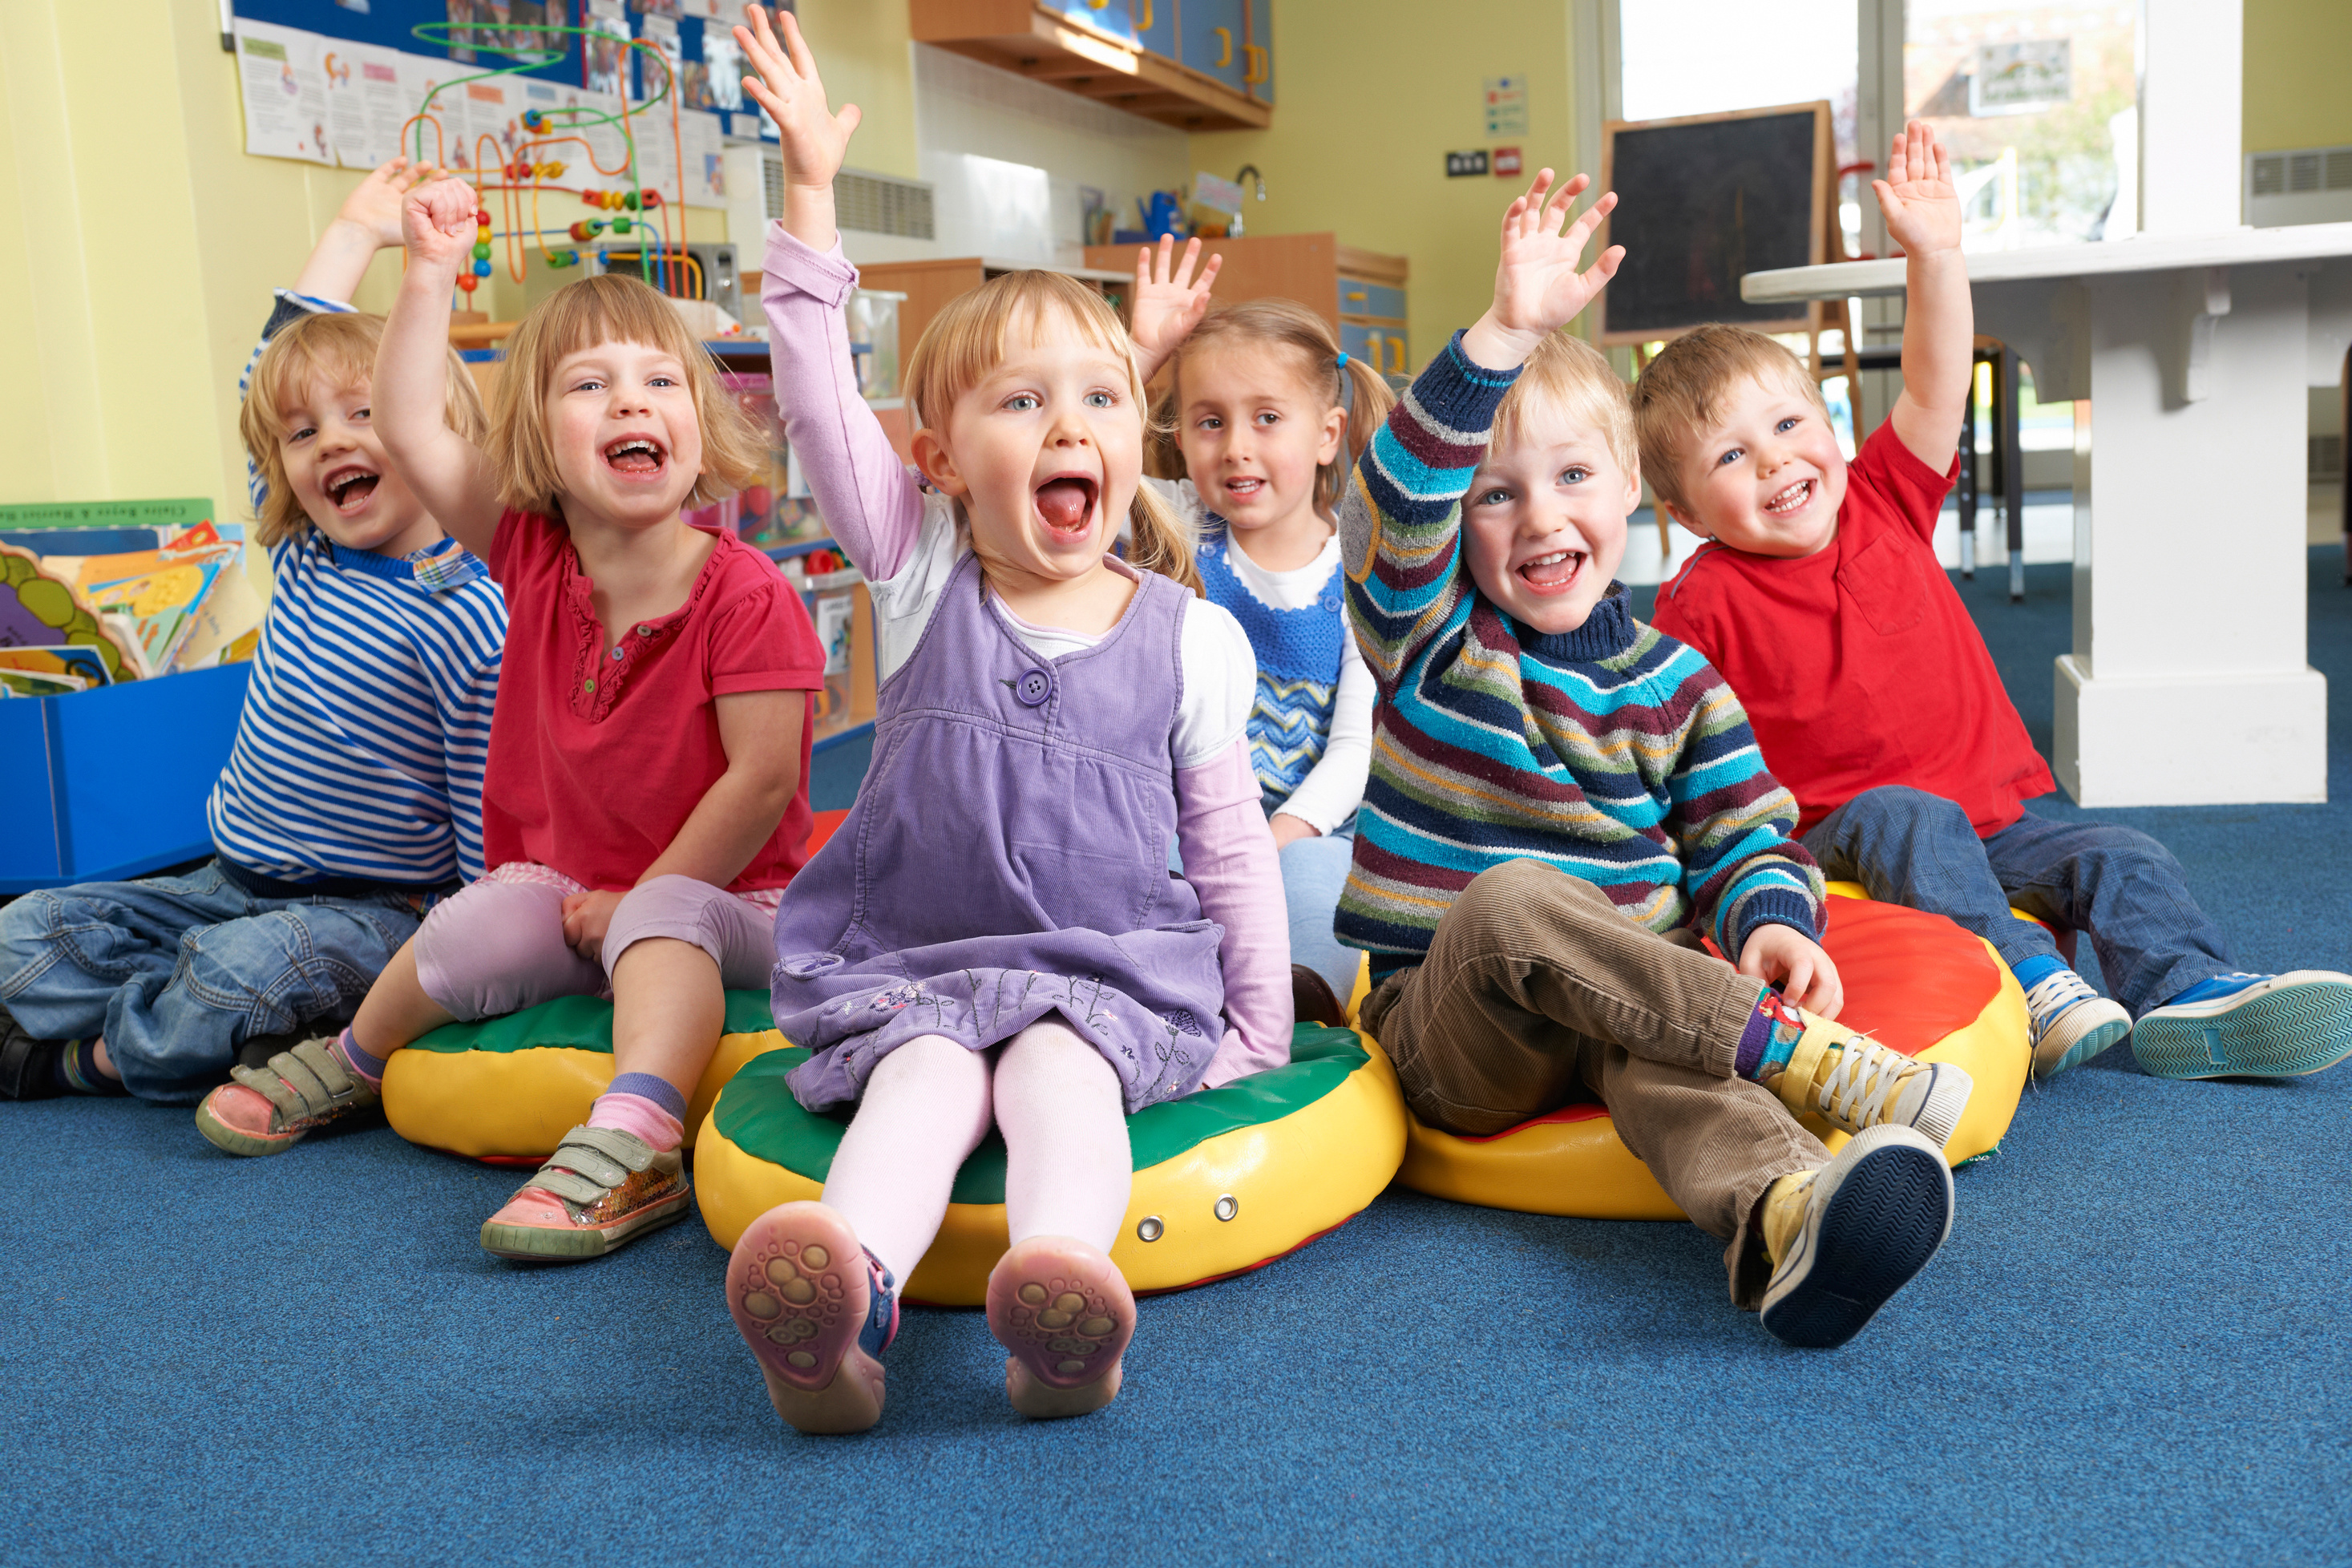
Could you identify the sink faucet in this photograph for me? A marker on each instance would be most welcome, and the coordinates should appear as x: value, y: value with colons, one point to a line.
x: 1251, y: 172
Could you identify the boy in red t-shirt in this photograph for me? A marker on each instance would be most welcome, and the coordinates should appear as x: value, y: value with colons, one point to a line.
x: 1819, y: 598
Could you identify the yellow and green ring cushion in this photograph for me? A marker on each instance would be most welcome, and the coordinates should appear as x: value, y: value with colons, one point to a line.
x: 1225, y: 1179
x: 508, y: 1089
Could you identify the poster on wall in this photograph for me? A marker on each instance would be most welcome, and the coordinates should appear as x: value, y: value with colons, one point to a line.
x: 281, y: 70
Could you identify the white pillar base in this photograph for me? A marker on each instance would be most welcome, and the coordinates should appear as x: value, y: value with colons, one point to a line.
x: 2190, y: 740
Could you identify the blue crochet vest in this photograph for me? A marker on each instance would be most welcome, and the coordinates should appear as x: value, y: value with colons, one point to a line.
x: 1298, y: 654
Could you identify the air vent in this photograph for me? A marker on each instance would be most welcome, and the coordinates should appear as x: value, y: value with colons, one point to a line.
x: 872, y: 204
x: 2300, y: 184
x: 2324, y: 462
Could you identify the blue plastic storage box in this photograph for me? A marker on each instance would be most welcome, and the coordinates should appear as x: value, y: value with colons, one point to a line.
x: 106, y: 785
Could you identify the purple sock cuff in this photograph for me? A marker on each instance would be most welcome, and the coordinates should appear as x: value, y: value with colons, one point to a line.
x: 645, y: 1086
x: 1753, y: 1039
x: 359, y: 1061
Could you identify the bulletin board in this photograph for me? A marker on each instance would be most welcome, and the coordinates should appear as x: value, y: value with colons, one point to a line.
x: 1704, y: 200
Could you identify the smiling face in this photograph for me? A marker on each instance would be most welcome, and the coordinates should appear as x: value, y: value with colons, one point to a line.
x: 1045, y: 451
x: 621, y: 426
x: 1766, y: 475
x: 1543, y: 522
x: 337, y: 471
x: 1254, y: 431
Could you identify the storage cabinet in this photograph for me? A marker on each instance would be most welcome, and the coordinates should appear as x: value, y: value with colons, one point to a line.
x: 1360, y: 292
x: 1198, y: 65
x: 1258, y: 75
x: 1216, y: 39
x: 1154, y: 22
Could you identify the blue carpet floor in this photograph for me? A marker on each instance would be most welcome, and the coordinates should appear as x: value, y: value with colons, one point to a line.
x: 2132, y: 1350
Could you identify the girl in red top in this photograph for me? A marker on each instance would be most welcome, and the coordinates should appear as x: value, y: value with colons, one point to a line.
x: 644, y: 803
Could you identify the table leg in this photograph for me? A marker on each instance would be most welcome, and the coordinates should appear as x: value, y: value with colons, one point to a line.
x: 2012, y: 467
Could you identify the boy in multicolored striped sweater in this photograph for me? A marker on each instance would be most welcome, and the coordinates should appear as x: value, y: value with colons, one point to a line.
x: 352, y: 795
x: 1563, y: 802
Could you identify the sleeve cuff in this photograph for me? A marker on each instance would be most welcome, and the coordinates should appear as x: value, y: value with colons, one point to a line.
x: 766, y: 681
x: 825, y: 276
x: 1775, y: 907
x: 1459, y: 395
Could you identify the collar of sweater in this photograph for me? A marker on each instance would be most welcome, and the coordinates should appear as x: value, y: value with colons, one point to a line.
x: 1607, y: 632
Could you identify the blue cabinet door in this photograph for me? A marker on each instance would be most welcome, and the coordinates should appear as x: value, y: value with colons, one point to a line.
x: 1259, y: 75
x: 1110, y: 16
x: 1154, y: 22
x: 1214, y: 33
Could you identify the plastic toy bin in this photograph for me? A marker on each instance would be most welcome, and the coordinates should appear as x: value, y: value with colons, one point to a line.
x: 110, y: 784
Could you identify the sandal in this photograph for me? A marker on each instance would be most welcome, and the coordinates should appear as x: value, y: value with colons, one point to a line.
x: 599, y: 1191
x: 269, y: 1109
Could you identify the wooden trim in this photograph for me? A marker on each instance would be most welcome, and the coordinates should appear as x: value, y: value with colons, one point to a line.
x: 1373, y: 265
x: 1824, y: 164
x: 1024, y: 38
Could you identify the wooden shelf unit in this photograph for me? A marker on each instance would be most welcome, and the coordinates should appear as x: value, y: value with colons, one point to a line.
x: 1047, y: 43
x: 1360, y: 292
x: 929, y: 285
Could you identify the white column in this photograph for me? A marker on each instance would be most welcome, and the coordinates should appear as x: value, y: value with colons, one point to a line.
x: 2189, y: 684
x: 2192, y: 54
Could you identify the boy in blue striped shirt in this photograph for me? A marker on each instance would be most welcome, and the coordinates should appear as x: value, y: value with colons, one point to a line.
x: 353, y: 794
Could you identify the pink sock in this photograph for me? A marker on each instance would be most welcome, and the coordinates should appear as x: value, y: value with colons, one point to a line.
x: 634, y: 1113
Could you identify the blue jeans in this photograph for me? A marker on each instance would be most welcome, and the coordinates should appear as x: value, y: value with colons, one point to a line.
x: 177, y: 971
x: 2115, y: 884
x: 1314, y: 870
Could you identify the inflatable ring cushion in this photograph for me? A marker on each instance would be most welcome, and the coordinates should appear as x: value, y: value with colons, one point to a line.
x: 1226, y: 1179
x: 507, y: 1090
x: 1914, y: 980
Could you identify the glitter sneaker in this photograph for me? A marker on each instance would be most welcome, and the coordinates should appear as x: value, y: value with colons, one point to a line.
x: 601, y: 1190
x: 271, y: 1109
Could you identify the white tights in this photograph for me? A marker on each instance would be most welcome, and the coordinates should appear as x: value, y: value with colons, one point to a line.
x: 927, y: 1105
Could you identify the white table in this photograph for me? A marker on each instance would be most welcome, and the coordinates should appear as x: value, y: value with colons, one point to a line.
x: 2188, y: 683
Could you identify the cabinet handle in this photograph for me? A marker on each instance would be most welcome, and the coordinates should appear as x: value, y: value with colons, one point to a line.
x: 1253, y: 68
x: 1398, y: 344
x: 1142, y: 17
x: 1225, y: 41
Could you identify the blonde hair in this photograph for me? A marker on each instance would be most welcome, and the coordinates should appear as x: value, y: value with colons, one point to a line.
x: 1681, y: 394
x: 1291, y: 329
x: 340, y: 346
x: 966, y: 342
x: 1566, y: 381
x: 581, y: 315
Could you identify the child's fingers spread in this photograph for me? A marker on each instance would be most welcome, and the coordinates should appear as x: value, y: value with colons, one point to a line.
x: 802, y: 61
x: 1209, y: 273
x: 1191, y: 258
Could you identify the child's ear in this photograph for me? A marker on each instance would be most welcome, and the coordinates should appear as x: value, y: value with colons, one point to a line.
x: 931, y: 457
x: 1683, y: 517
x: 1634, y: 487
x: 1335, y: 431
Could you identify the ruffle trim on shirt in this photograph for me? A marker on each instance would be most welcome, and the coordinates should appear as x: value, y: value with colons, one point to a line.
x: 598, y: 676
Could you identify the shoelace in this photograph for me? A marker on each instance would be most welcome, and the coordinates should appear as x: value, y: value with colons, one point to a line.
x: 2057, y: 994
x: 1863, y: 1081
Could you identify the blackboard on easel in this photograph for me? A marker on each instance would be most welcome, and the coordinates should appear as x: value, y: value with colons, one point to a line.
x: 1703, y: 200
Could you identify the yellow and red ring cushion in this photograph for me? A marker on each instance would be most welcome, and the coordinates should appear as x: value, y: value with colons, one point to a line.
x: 1226, y: 1179
x: 1913, y: 981
x: 507, y: 1090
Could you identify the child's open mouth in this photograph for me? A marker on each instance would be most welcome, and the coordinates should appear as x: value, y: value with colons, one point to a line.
x: 1553, y: 574
x: 638, y: 457
x: 1795, y: 499
x: 1245, y: 487
x: 1067, y: 503
x: 350, y: 486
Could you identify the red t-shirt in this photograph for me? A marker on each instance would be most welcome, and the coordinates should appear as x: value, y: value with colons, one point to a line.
x: 1858, y: 664
x: 597, y: 761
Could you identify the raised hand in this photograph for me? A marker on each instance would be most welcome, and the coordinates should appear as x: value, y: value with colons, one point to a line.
x: 374, y: 204
x: 1169, y: 302
x: 437, y: 223
x: 815, y: 139
x: 1922, y: 208
x: 1537, y: 286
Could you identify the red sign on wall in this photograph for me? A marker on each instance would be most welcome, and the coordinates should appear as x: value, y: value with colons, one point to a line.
x: 1507, y: 162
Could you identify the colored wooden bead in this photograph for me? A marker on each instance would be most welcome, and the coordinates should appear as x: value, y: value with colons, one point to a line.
x: 481, y: 251
x: 468, y: 281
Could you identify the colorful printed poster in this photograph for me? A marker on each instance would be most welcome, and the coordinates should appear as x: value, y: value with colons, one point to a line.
x: 285, y: 85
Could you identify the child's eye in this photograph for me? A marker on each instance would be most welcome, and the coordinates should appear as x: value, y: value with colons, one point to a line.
x: 1211, y: 423
x: 591, y: 385
x: 1022, y: 402
x: 359, y: 416
x: 1730, y: 458
x: 1494, y: 497
x: 661, y: 381
x: 304, y: 433
x: 1269, y: 419
x: 1101, y: 399
x: 1787, y: 424
x: 1575, y: 474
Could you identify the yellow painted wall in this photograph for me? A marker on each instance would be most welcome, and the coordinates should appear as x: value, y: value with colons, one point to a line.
x: 1370, y: 96
x: 2295, y: 56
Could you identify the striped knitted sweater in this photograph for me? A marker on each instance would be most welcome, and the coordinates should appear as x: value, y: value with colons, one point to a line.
x: 1612, y: 752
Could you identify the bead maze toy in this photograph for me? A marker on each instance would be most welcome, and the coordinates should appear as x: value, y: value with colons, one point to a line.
x: 515, y: 168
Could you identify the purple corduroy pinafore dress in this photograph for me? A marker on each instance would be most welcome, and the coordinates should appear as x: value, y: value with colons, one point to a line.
x: 1007, y: 859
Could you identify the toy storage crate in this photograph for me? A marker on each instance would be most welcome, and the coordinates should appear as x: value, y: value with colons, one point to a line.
x: 110, y: 784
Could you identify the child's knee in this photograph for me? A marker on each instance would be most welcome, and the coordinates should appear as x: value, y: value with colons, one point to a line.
x: 494, y: 943
x: 1901, y: 806
x: 1502, y: 902
x: 677, y: 907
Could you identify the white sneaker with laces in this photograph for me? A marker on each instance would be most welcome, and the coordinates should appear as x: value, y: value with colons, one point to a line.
x: 2072, y: 1023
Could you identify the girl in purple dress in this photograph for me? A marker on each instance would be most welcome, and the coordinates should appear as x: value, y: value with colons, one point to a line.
x: 993, y: 938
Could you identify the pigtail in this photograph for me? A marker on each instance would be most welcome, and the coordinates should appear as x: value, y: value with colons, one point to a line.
x: 1368, y: 401
x: 1158, y: 541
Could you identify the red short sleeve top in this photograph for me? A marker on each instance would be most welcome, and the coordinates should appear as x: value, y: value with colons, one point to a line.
x: 598, y: 756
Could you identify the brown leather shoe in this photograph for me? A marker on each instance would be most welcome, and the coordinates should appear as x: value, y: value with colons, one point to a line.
x: 1311, y: 1001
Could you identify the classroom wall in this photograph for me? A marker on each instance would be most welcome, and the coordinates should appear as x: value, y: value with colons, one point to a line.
x: 2296, y: 58
x: 1371, y: 95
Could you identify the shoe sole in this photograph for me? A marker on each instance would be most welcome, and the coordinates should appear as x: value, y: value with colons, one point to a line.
x: 1890, y: 1212
x: 1065, y: 1311
x: 545, y: 1244
x: 2298, y: 1026
x: 2105, y: 1036
x: 235, y: 1141
x: 799, y: 1292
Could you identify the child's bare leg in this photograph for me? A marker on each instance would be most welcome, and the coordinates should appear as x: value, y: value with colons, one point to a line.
x: 669, y: 1007
x: 396, y: 1009
x: 1055, y: 1300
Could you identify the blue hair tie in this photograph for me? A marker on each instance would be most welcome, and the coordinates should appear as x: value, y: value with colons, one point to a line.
x: 1343, y: 361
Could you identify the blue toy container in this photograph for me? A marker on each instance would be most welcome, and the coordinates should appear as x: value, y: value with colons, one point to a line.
x: 104, y: 786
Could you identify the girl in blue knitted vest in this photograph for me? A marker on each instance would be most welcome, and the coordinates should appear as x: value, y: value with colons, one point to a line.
x: 1268, y: 417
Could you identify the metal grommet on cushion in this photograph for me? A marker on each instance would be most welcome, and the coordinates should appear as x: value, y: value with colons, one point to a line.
x: 1035, y: 685
x: 1149, y: 1228
x: 1227, y: 1206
